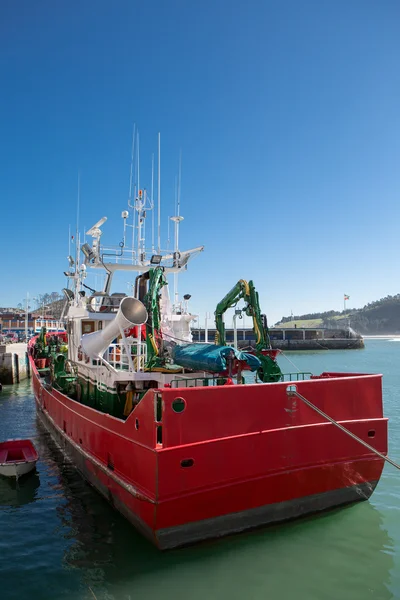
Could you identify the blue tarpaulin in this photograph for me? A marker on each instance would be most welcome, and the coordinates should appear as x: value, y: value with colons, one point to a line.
x: 209, y: 357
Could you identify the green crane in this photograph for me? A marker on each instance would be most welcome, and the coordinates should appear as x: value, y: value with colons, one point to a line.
x: 157, y: 354
x: 269, y: 370
x: 151, y: 301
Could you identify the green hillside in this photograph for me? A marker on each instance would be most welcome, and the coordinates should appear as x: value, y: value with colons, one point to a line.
x: 381, y: 317
x: 301, y: 323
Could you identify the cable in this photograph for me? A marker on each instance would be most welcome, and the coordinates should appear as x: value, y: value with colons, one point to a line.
x: 352, y: 435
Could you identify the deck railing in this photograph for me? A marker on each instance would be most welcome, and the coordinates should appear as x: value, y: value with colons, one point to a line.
x: 135, y: 360
x: 213, y: 380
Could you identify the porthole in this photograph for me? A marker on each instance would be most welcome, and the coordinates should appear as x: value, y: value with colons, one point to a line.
x: 178, y: 405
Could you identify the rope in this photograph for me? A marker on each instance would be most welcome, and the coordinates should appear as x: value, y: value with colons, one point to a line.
x: 352, y: 435
x: 171, y: 337
x: 292, y: 363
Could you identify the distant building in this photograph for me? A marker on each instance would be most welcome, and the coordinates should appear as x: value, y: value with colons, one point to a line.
x: 12, y: 322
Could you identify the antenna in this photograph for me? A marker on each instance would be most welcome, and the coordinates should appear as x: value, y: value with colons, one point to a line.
x: 130, y: 189
x: 77, y: 218
x: 133, y: 234
x: 131, y: 168
x: 179, y: 183
x: 135, y: 193
x: 177, y: 219
x: 159, y: 196
x: 152, y: 202
x: 139, y: 208
x: 176, y: 195
x: 93, y: 231
x: 138, y: 162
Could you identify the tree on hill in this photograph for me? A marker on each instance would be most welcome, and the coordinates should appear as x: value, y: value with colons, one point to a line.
x: 50, y: 304
x: 378, y: 317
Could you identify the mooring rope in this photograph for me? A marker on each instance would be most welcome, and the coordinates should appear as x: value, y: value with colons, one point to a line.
x: 291, y: 362
x: 352, y: 435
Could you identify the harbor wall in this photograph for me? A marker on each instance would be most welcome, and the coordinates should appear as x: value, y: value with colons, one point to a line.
x: 14, y: 364
x: 324, y: 344
x: 290, y: 338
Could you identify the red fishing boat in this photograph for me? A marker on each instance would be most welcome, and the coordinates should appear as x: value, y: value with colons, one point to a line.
x: 17, y: 458
x: 193, y: 441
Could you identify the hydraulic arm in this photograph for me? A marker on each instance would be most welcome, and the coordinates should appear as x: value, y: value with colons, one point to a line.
x: 152, y: 303
x: 269, y: 371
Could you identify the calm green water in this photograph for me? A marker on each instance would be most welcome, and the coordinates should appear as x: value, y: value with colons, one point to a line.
x: 59, y: 539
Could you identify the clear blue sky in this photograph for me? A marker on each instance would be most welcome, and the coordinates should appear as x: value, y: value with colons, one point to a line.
x: 287, y: 114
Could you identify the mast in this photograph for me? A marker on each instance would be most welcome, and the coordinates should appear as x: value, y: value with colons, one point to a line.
x: 140, y: 204
x: 159, y: 197
x: 26, y: 316
x: 168, y: 233
x: 179, y: 182
x: 77, y: 219
x: 130, y: 190
x: 152, y: 202
x: 177, y: 219
x: 131, y: 167
x: 138, y: 161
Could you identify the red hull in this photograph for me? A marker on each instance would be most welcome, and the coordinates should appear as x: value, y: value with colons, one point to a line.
x: 237, y: 457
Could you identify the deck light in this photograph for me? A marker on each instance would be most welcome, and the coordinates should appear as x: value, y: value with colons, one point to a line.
x: 156, y: 259
x: 87, y: 251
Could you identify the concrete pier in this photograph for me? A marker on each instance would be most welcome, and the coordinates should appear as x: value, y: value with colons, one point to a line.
x: 14, y: 364
x: 290, y: 338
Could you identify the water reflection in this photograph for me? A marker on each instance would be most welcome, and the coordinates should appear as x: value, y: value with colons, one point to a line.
x: 346, y: 553
x: 69, y: 543
x: 18, y: 492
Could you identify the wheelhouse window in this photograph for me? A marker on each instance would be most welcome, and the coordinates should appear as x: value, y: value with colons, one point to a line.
x: 88, y: 326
